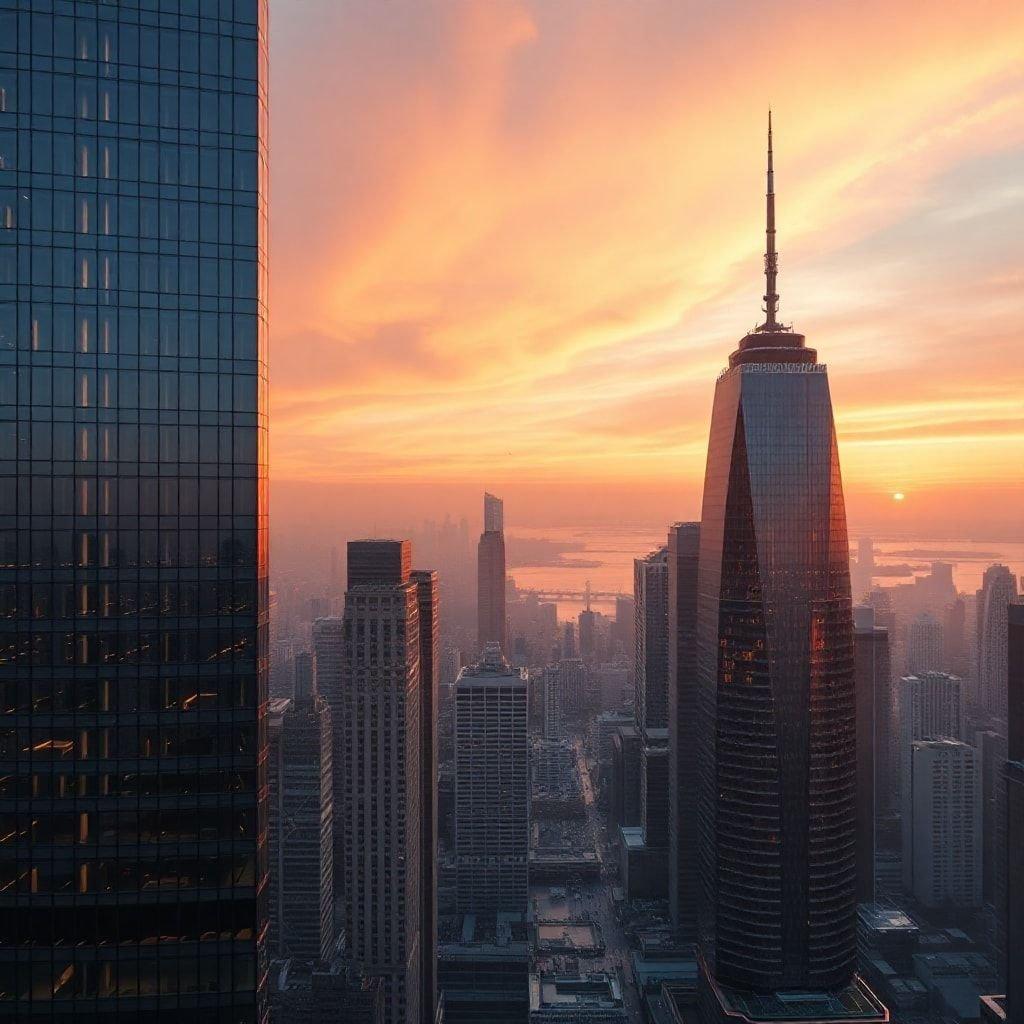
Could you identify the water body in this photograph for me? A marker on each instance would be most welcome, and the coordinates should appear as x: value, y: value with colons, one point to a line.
x: 609, y: 553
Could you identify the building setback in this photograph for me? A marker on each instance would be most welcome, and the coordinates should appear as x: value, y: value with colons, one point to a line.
x: 134, y: 596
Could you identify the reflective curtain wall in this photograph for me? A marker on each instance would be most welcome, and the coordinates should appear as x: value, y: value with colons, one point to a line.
x: 133, y: 519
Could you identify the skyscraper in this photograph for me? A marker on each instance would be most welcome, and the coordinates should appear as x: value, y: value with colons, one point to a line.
x: 301, y: 817
x: 650, y: 596
x: 926, y: 651
x: 133, y: 310
x: 946, y: 801
x: 492, y: 786
x: 1010, y: 886
x: 490, y: 586
x: 379, y: 803
x: 428, y: 601
x: 998, y: 591
x: 683, y: 562
x: 328, y: 655
x: 931, y: 708
x: 776, y: 730
x: 873, y: 685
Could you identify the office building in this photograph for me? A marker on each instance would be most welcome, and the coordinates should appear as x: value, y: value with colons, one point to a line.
x: 998, y: 591
x: 1010, y: 886
x: 991, y: 750
x: 862, y: 569
x: 946, y: 801
x: 926, y: 646
x: 625, y: 785
x: 490, y: 599
x: 306, y: 992
x: 650, y: 596
x: 654, y: 790
x: 133, y: 297
x: 683, y: 561
x: 777, y: 727
x: 428, y: 602
x: 301, y: 815
x: 872, y: 681
x: 302, y: 678
x: 379, y: 805
x: 328, y: 636
x: 624, y: 626
x: 931, y: 708
x: 484, y: 968
x: 492, y: 786
x: 554, y: 712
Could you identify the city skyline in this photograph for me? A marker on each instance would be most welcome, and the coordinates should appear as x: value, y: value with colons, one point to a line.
x: 584, y: 262
x: 613, y: 767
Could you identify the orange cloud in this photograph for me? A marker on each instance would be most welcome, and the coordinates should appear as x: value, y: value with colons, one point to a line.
x: 526, y: 235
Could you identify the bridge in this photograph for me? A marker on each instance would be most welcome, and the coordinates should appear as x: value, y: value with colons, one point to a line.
x: 572, y: 595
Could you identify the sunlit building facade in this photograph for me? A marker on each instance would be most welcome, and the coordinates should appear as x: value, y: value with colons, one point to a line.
x: 133, y: 528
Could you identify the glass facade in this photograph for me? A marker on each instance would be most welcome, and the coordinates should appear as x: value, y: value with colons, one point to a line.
x: 133, y: 528
x: 775, y: 677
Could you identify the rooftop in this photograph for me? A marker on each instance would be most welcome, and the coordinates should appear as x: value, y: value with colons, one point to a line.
x: 855, y: 1003
x: 597, y: 990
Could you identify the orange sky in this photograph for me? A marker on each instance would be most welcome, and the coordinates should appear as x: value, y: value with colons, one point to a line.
x: 514, y: 242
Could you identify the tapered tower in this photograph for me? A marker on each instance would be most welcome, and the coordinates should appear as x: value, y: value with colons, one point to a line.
x: 776, y: 725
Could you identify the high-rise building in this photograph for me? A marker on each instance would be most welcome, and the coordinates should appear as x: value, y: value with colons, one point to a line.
x: 954, y: 638
x: 328, y: 636
x: 926, y: 650
x: 863, y: 570
x: 650, y: 596
x: 946, y: 801
x: 998, y: 591
x: 428, y: 601
x: 301, y: 815
x: 381, y: 789
x: 625, y: 785
x: 930, y: 708
x: 683, y: 562
x: 492, y: 786
x: 624, y: 627
x: 1010, y: 886
x: 873, y: 684
x: 302, y: 679
x: 554, y: 712
x: 490, y: 592
x: 133, y: 299
x: 654, y: 791
x: 777, y: 729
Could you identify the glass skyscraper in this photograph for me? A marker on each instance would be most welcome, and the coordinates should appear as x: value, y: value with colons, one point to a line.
x: 133, y: 527
x: 776, y: 729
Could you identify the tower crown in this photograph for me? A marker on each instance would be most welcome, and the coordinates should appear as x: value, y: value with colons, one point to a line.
x: 771, y: 342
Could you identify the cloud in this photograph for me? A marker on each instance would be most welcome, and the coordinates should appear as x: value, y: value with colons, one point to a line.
x: 527, y: 234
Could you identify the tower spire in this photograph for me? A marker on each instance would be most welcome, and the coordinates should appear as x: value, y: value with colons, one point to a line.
x: 771, y: 257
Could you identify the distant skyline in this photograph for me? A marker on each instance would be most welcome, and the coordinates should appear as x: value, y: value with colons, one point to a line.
x: 513, y: 244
